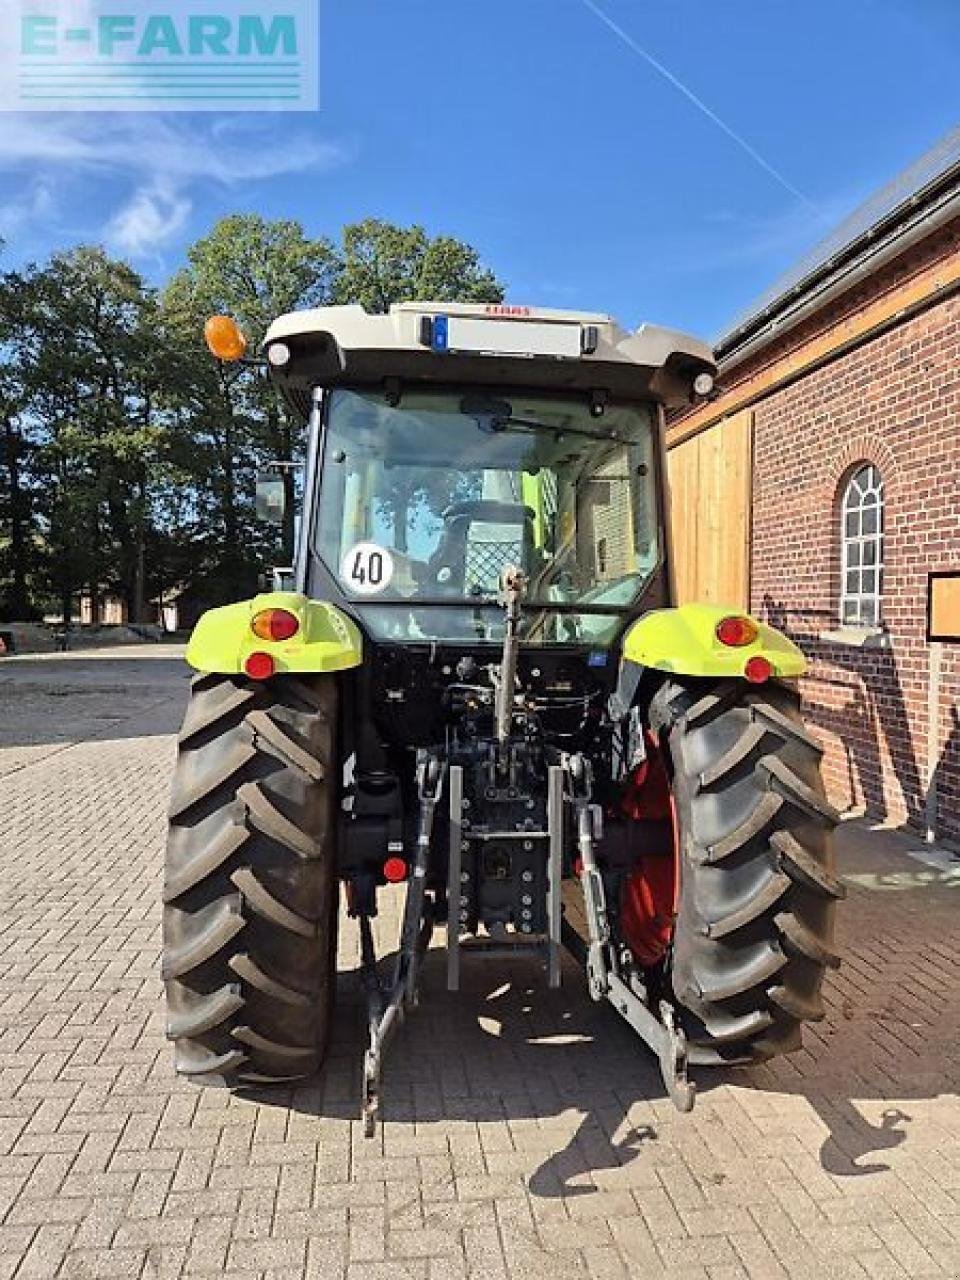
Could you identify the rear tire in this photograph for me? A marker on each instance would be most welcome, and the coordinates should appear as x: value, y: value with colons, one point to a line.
x: 250, y: 901
x: 755, y: 922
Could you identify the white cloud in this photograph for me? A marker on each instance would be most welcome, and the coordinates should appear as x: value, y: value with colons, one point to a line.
x: 160, y: 159
x: 227, y: 150
x: 36, y: 204
x: 148, y: 221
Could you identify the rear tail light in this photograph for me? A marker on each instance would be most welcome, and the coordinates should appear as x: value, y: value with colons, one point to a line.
x: 259, y: 666
x: 757, y: 669
x: 274, y: 624
x: 736, y: 631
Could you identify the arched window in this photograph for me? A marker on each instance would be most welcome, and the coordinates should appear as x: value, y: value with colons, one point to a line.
x: 861, y: 542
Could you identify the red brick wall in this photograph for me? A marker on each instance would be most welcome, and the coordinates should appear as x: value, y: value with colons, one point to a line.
x: 894, y: 401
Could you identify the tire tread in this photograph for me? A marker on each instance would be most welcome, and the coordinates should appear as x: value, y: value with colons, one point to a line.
x: 250, y: 977
x: 754, y: 928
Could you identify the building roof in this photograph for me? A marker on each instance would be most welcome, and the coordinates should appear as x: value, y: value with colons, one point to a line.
x: 882, y: 220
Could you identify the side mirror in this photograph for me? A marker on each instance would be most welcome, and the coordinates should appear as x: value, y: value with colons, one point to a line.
x: 271, y: 499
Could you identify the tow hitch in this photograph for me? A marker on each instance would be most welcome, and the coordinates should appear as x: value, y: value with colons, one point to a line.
x: 611, y: 974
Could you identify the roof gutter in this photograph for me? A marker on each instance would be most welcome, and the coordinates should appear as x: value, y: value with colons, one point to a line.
x: 883, y: 242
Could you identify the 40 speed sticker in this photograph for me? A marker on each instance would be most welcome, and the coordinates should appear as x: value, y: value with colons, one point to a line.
x: 366, y: 569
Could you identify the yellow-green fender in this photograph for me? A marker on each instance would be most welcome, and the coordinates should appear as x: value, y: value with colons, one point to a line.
x: 684, y: 640
x: 326, y: 640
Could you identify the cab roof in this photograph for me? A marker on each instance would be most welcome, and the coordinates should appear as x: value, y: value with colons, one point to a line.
x: 484, y: 344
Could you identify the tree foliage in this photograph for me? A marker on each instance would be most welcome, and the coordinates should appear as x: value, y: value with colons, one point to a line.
x: 127, y: 454
x: 382, y: 264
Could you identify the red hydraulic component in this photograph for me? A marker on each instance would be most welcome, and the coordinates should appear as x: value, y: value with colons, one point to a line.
x: 394, y: 870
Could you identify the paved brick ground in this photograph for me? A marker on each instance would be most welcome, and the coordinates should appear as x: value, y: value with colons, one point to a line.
x: 527, y: 1134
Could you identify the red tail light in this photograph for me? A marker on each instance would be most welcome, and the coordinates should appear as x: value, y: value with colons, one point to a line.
x: 757, y: 669
x: 274, y: 624
x: 259, y: 666
x: 736, y: 631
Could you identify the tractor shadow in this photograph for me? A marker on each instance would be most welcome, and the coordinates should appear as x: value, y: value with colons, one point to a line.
x: 575, y: 1097
x: 860, y: 1139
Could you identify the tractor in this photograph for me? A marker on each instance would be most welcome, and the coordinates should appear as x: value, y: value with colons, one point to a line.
x: 480, y: 688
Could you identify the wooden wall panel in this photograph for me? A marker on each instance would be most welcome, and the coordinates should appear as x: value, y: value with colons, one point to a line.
x: 709, y: 478
x: 683, y: 469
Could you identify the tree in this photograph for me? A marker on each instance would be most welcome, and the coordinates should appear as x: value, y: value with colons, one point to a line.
x: 256, y: 270
x: 253, y: 270
x: 381, y: 264
x: 90, y: 385
x: 127, y: 454
x: 15, y: 511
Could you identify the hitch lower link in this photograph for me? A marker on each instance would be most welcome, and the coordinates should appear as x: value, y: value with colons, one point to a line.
x: 605, y: 979
x: 387, y: 1004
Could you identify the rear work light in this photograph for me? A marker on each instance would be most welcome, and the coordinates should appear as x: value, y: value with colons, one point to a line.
x: 736, y: 631
x: 274, y: 624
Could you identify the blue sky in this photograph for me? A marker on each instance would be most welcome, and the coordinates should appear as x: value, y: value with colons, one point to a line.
x: 586, y: 175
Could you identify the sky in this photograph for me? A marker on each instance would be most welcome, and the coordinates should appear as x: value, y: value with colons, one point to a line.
x: 658, y: 161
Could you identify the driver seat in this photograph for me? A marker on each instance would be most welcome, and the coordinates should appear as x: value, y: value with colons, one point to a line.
x: 479, y: 539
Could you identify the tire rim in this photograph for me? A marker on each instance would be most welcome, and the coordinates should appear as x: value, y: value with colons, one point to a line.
x: 650, y: 897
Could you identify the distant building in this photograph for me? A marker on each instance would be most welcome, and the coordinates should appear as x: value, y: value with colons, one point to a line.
x: 822, y: 488
x: 111, y: 610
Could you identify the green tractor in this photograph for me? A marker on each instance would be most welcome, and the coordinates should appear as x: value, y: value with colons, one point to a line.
x: 480, y: 687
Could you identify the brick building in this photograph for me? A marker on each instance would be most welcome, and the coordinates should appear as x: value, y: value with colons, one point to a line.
x: 840, y: 405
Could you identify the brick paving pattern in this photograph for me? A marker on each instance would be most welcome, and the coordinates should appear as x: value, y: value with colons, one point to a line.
x: 526, y: 1133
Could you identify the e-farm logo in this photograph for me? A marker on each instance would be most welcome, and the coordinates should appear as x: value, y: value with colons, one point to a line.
x: 140, y: 55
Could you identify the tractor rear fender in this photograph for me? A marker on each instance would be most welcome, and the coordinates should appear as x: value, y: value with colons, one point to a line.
x: 684, y: 641
x: 326, y: 639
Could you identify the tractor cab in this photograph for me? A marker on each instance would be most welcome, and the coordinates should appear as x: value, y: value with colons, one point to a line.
x: 425, y: 498
x: 449, y: 442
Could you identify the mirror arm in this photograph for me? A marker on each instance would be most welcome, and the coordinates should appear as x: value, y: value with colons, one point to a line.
x: 247, y: 362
